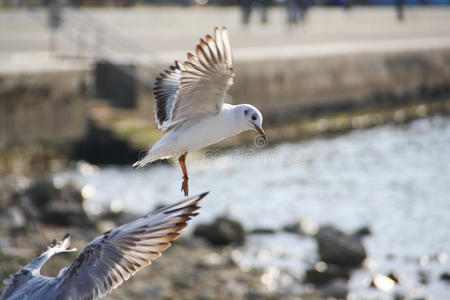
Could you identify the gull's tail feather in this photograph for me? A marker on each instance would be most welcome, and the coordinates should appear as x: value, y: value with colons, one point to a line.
x: 143, y: 162
x: 151, y: 156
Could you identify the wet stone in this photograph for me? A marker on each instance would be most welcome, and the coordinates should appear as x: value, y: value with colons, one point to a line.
x: 223, y: 231
x: 337, y: 247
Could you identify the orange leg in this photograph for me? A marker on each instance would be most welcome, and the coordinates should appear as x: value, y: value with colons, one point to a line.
x: 184, y: 185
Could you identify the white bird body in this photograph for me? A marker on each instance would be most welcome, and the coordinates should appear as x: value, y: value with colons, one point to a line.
x: 198, y: 133
x: 190, y: 101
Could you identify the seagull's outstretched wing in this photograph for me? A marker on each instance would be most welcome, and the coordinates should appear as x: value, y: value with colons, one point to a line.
x: 197, y: 87
x: 116, y: 255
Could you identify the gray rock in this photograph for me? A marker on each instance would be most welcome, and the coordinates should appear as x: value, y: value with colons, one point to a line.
x: 337, y: 247
x: 332, y: 272
x: 445, y: 276
x: 336, y: 289
x: 222, y: 232
x: 362, y: 232
x: 399, y: 296
x: 41, y: 192
x: 49, y: 204
x: 424, y: 277
x: 262, y: 231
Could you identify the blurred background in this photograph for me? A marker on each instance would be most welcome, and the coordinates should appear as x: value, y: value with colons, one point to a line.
x: 348, y: 200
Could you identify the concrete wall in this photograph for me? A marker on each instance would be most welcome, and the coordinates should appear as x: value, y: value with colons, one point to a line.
x: 46, y: 107
x: 289, y: 88
x: 292, y: 87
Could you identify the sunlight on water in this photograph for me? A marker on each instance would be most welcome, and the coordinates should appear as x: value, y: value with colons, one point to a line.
x: 396, y: 179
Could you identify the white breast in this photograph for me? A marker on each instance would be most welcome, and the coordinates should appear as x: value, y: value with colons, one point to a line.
x: 208, y: 131
x: 202, y: 132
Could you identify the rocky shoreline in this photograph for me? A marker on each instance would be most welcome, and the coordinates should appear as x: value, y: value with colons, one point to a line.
x: 203, y: 265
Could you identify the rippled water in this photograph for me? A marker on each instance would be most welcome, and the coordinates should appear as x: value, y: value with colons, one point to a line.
x: 396, y: 179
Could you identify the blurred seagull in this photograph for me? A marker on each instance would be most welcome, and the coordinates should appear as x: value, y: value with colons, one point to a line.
x: 190, y: 100
x: 108, y: 261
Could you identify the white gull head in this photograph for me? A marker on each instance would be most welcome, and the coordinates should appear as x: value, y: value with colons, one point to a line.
x: 250, y: 118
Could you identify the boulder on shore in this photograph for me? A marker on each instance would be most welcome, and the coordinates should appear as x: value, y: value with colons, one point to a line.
x: 445, y: 276
x: 223, y: 231
x: 45, y: 202
x: 336, y: 289
x: 327, y: 274
x: 337, y: 247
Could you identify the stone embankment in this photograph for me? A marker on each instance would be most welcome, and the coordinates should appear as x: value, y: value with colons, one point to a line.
x: 292, y: 87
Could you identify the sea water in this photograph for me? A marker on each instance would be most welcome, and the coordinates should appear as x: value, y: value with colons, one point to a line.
x: 393, y: 178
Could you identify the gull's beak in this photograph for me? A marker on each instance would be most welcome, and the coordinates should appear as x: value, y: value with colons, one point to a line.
x: 260, y: 131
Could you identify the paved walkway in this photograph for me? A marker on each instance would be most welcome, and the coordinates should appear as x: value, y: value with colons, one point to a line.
x: 171, y: 31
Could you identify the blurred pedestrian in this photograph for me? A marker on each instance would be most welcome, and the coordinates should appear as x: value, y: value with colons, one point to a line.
x: 297, y: 10
x: 264, y: 7
x: 54, y: 23
x: 347, y: 4
x: 399, y: 8
x: 247, y: 7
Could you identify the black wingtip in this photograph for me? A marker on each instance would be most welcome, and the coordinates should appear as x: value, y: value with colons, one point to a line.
x: 202, y: 195
x: 196, y: 197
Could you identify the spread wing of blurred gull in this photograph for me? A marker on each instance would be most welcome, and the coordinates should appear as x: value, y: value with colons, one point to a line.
x: 190, y: 101
x: 108, y: 261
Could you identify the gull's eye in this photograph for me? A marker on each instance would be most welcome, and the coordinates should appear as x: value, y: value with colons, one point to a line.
x: 246, y: 112
x: 254, y: 117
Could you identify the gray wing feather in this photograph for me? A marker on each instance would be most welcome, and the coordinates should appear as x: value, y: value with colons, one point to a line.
x: 113, y: 257
x: 165, y: 91
x: 24, y: 285
x: 199, y: 86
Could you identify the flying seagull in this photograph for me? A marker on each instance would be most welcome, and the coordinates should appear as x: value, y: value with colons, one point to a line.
x: 108, y: 261
x: 190, y: 101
